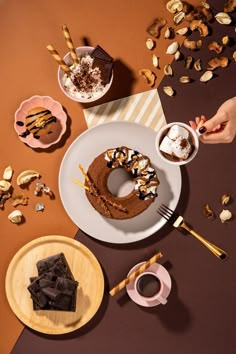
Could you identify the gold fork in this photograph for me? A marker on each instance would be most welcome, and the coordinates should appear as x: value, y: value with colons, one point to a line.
x: 177, y: 221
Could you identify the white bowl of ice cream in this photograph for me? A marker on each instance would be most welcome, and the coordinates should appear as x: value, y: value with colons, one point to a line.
x: 177, y: 143
x: 90, y: 85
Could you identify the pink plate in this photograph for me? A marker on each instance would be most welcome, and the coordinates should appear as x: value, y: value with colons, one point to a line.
x: 58, y: 128
x: 157, y: 269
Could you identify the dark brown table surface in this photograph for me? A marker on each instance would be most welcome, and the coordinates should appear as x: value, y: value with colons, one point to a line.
x: 200, y: 314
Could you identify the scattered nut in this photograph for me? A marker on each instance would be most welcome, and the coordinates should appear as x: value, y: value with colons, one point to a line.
x: 155, y: 61
x: 15, y: 217
x: 192, y: 45
x: 225, y: 215
x: 234, y: 55
x: 200, y: 13
x: 174, y: 6
x: 3, y: 197
x: 179, y: 17
x: 230, y: 6
x: 200, y: 26
x: 208, y: 75
x: 217, y: 62
x: 168, y: 33
x: 168, y: 70
x: 177, y: 55
x: 225, y: 198
x: 197, y: 65
x: 172, y: 48
x: 19, y: 200
x: 39, y: 207
x: 223, y: 18
x: 206, y: 5
x: 155, y: 28
x: 215, y: 46
x: 225, y: 40
x: 150, y: 43
x: 184, y: 79
x: 182, y: 31
x: 5, y: 185
x: 26, y: 176
x: 7, y: 174
x: 208, y: 212
x: 148, y: 75
x: 169, y: 91
x: 188, y: 62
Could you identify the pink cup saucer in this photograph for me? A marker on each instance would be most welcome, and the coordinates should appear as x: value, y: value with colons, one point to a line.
x: 157, y: 269
x: 58, y: 128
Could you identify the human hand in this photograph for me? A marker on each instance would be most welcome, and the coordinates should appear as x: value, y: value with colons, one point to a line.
x: 221, y: 128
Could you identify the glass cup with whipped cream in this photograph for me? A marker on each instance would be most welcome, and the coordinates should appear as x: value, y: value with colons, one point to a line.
x: 177, y: 143
x: 86, y: 83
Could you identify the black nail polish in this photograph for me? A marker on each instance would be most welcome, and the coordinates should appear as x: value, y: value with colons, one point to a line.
x: 202, y: 130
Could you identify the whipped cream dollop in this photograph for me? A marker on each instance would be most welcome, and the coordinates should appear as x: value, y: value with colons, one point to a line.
x: 177, y: 143
x: 139, y: 166
x: 85, y: 81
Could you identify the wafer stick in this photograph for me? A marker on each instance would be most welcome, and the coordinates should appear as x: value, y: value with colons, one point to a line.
x: 59, y: 59
x: 134, y: 274
x: 80, y: 184
x: 70, y: 44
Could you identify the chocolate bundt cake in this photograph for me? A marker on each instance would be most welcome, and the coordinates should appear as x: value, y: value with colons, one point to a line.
x: 142, y: 173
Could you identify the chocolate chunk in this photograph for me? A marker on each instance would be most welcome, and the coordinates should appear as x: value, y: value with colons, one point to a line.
x: 105, y: 68
x: 100, y: 53
x: 55, y: 287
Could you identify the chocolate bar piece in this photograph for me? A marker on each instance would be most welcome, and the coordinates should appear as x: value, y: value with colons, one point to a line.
x: 55, y: 287
x: 105, y: 68
x: 100, y: 53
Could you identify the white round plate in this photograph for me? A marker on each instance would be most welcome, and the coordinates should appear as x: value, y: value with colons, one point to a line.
x: 83, y: 151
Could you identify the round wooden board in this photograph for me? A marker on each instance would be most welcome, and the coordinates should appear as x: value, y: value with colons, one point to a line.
x: 85, y: 268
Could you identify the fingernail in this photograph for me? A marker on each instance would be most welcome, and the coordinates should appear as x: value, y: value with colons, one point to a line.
x: 202, y: 129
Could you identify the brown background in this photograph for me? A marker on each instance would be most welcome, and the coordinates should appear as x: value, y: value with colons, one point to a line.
x: 200, y: 314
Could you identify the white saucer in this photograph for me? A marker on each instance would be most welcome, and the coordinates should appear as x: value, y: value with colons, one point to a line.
x: 157, y: 269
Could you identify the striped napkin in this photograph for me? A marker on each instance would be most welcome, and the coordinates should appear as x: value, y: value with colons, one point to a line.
x: 143, y: 108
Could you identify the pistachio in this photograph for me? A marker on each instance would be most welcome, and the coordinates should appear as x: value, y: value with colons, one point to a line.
x: 169, y: 90
x: 225, y: 198
x: 178, y: 17
x: 182, y: 31
x: 177, y: 55
x: 223, y: 18
x: 26, y: 176
x: 174, y: 6
x: 225, y: 40
x: 234, y: 55
x: 172, y: 48
x: 215, y: 46
x: 192, y: 45
x: 4, y: 186
x: 184, y: 79
x: 225, y: 215
x: 218, y: 62
x: 206, y: 76
x: 148, y: 75
x: 150, y: 43
x: 7, y: 174
x: 155, y: 61
x: 230, y: 6
x: 15, y: 217
x: 155, y: 28
x: 168, y: 70
x: 208, y: 212
x: 197, y: 65
x: 188, y: 62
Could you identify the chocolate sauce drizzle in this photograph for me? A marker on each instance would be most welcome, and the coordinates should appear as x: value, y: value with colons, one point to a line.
x: 39, y: 123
